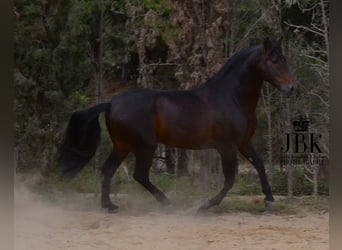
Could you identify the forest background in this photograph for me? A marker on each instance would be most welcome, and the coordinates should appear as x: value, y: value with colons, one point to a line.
x: 71, y: 54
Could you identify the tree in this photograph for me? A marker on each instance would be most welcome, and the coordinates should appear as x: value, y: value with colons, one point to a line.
x: 314, y: 74
x: 50, y: 70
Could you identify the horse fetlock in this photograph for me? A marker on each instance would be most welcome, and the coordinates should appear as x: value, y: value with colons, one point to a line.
x: 269, y: 197
x: 106, y: 203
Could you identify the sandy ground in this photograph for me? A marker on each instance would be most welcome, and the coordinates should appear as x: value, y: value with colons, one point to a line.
x: 43, y: 225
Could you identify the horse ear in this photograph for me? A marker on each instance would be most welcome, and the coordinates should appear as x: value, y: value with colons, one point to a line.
x: 267, y: 44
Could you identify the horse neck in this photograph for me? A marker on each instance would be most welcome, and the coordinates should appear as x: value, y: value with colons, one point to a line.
x: 246, y: 93
x: 242, y: 85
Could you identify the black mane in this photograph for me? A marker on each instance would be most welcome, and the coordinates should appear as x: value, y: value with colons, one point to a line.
x: 233, y: 64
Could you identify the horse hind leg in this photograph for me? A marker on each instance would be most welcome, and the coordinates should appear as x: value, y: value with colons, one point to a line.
x: 251, y: 155
x: 108, y: 170
x: 141, y: 175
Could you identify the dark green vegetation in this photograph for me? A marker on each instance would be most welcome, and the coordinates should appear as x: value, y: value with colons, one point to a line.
x: 72, y: 54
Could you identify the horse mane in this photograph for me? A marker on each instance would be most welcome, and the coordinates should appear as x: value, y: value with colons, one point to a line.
x: 233, y: 64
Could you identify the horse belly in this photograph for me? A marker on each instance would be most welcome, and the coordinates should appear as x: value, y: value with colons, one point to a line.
x: 190, y: 134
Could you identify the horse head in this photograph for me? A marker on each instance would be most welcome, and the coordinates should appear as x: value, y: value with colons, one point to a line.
x: 274, y: 67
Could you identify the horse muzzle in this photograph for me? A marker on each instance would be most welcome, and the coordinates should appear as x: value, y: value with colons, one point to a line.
x: 288, y: 89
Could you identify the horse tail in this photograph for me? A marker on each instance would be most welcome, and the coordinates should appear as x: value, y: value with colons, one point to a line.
x: 81, y: 140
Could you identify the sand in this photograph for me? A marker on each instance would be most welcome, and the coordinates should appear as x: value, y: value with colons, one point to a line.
x: 46, y: 225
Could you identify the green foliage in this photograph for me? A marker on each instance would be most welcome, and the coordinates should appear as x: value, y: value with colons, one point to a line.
x: 246, y: 184
x: 301, y: 185
x: 159, y: 6
x: 50, y: 68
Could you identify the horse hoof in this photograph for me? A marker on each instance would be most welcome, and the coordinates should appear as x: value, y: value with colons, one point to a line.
x: 111, y: 207
x: 269, y: 205
x: 113, y: 210
x: 166, y: 203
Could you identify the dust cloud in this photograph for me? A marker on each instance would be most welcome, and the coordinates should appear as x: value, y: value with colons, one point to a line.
x: 68, y: 223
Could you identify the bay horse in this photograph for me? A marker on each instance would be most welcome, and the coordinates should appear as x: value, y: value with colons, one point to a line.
x: 220, y: 114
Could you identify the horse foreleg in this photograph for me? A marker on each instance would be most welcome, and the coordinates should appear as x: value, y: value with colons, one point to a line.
x: 141, y: 175
x: 251, y: 155
x: 108, y: 171
x: 229, y: 167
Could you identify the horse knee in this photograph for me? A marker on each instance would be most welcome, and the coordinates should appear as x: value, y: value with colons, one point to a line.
x: 141, y: 174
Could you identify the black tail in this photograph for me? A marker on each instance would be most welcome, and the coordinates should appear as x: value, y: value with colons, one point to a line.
x: 82, y: 139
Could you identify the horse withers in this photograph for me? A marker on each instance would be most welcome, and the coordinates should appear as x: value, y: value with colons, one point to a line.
x: 220, y: 114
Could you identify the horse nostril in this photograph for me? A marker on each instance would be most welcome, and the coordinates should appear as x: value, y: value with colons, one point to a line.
x: 292, y: 88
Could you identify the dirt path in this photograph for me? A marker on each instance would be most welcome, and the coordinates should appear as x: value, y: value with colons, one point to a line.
x: 39, y: 225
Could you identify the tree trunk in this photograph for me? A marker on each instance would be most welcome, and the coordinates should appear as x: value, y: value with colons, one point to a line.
x: 266, y: 98
x: 234, y: 27
x: 182, y: 162
x: 169, y: 159
x: 315, y: 182
x: 290, y: 180
x: 99, y: 87
x: 204, y: 173
x: 289, y: 154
